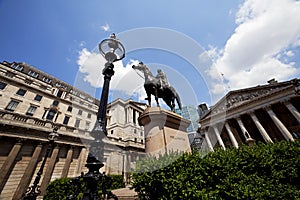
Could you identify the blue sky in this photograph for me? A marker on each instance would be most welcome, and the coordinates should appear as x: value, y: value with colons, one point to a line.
x: 205, y: 47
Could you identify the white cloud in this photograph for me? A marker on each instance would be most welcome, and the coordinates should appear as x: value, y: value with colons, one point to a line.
x: 105, y: 27
x: 125, y: 78
x: 289, y: 53
x: 82, y: 43
x: 91, y: 65
x: 266, y: 29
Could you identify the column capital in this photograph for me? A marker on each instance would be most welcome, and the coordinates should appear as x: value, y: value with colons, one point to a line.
x: 285, y: 100
x: 268, y: 108
x: 205, y: 129
x: 251, y: 112
x: 20, y: 140
x: 215, y: 126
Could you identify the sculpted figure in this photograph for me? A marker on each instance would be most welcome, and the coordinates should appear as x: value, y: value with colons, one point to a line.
x: 158, y: 86
x: 162, y: 78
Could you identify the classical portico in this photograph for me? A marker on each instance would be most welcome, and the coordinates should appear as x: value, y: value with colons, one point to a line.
x: 264, y: 113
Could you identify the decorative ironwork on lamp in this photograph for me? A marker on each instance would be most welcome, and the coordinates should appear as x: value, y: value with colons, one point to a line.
x: 112, y: 50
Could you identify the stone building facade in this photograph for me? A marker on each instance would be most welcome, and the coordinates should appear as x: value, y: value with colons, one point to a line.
x: 32, y: 104
x: 265, y: 113
x: 127, y: 136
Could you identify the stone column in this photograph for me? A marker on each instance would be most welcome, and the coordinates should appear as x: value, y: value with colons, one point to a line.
x: 287, y: 135
x: 245, y: 132
x: 81, y: 160
x: 261, y: 129
x: 129, y: 115
x: 9, y: 162
x: 67, y: 163
x: 28, y: 174
x: 219, y: 137
x: 231, y: 136
x: 49, y: 170
x: 208, y: 141
x: 127, y: 168
x: 293, y: 110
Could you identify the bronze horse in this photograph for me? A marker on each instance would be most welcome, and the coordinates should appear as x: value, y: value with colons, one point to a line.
x: 153, y: 87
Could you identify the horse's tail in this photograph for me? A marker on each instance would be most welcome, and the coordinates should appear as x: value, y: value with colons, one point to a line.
x: 178, y: 100
x: 176, y: 97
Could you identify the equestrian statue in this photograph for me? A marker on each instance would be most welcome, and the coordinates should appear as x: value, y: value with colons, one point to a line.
x: 159, y: 87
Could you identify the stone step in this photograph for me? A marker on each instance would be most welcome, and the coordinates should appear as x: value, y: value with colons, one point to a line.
x: 125, y: 193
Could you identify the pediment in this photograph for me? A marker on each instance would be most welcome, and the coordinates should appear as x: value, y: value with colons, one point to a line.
x: 238, y: 97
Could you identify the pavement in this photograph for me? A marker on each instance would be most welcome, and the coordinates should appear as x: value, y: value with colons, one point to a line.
x: 125, y: 193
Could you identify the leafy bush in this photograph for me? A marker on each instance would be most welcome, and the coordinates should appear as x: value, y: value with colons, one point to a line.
x: 261, y: 171
x: 117, y: 181
x: 60, y: 189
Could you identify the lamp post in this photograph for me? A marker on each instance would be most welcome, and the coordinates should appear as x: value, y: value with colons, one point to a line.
x: 112, y: 50
x: 34, y: 190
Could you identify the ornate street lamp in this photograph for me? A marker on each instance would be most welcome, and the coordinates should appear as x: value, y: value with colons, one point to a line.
x: 34, y: 190
x: 112, y: 50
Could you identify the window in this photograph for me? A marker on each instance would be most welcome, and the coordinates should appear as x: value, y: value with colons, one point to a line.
x: 66, y: 120
x: 21, y: 92
x: 27, y: 81
x: 59, y: 93
x: 38, y: 97
x: 17, y: 67
x: 33, y: 74
x: 74, y: 92
x: 47, y: 80
x: 89, y: 115
x: 55, y: 103
x: 77, y: 123
x: 70, y: 109
x: 31, y: 110
x: 51, y: 114
x: 79, y: 112
x: 87, y: 125
x: 141, y: 133
x: 9, y: 74
x: 58, y: 84
x: 82, y: 96
x: 2, y: 85
x: 112, y: 132
x: 12, y: 105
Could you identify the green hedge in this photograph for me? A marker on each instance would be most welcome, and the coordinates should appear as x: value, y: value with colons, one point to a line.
x: 60, y: 189
x: 259, y: 172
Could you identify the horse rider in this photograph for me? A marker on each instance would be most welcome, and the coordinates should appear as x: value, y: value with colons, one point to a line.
x: 162, y: 79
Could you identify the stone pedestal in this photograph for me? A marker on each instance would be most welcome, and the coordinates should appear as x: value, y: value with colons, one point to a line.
x: 165, y: 131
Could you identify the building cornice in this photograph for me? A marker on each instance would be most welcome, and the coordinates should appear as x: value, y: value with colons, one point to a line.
x: 245, y: 106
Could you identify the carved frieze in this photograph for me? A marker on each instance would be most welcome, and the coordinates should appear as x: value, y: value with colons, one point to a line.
x: 242, y: 97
